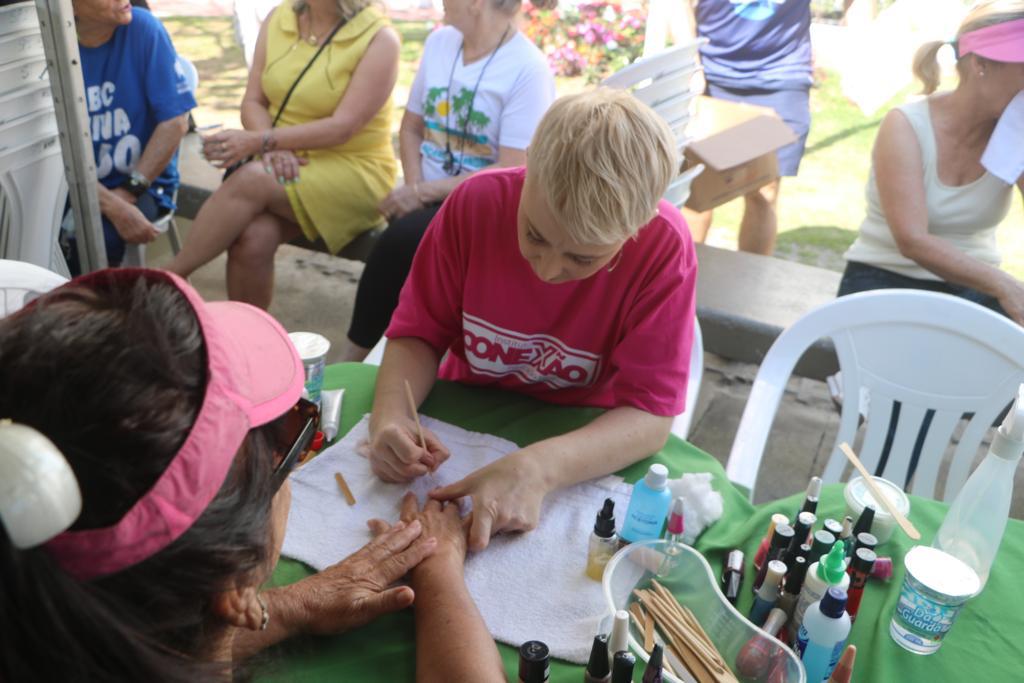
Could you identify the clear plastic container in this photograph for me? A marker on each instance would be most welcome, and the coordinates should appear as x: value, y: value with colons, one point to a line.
x: 684, y: 571
x: 858, y: 495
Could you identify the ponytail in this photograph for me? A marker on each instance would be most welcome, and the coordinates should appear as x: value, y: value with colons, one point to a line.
x: 926, y: 66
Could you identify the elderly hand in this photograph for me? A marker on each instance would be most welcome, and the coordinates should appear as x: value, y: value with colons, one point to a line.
x: 356, y: 590
x: 400, y: 201
x: 283, y: 165
x: 131, y: 224
x: 440, y: 521
x: 507, y: 495
x: 395, y: 453
x: 231, y: 146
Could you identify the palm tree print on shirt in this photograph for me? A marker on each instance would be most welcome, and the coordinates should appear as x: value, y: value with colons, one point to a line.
x: 476, y: 148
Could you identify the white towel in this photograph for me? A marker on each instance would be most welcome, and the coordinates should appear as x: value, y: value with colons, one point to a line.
x: 1004, y: 155
x: 528, y: 586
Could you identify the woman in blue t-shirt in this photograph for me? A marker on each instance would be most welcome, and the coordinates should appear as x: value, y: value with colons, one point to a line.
x: 138, y: 102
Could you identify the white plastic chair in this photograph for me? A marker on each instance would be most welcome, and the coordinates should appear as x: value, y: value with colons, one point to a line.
x: 923, y: 360
x: 662, y: 82
x: 20, y: 44
x: 33, y: 191
x: 680, y: 424
x: 22, y: 73
x: 21, y: 282
x: 135, y: 254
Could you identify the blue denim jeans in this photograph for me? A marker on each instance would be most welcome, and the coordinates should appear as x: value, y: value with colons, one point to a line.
x: 860, y: 277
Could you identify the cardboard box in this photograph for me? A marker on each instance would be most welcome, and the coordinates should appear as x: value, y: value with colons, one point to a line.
x: 736, y: 142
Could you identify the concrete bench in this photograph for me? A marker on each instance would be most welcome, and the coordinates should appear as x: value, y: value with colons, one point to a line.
x: 744, y: 301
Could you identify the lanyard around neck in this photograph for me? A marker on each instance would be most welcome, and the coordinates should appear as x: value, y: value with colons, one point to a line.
x: 449, y: 159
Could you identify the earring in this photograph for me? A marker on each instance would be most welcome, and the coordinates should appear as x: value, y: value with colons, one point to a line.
x: 265, y: 616
x: 981, y: 73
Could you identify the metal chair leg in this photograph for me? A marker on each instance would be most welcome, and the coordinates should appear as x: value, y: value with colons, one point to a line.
x: 172, y: 234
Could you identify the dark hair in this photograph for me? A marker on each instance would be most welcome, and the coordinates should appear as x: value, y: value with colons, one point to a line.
x: 114, y: 374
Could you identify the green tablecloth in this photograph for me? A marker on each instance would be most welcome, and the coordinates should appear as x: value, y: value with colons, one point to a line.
x: 982, y: 646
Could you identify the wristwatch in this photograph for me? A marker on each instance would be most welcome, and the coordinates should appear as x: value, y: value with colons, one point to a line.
x: 136, y: 183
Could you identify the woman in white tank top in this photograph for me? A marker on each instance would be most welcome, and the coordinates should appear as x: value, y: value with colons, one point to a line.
x: 932, y: 208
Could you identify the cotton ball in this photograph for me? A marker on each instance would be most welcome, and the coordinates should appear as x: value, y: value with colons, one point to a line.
x: 702, y: 505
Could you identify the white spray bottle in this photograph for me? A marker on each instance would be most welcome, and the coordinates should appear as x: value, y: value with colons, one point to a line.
x: 974, y: 525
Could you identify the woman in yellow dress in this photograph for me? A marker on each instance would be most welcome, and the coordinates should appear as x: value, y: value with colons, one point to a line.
x: 326, y: 165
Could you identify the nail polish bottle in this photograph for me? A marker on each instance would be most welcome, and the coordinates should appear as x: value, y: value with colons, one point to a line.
x: 783, y: 536
x: 833, y: 526
x: 864, y: 540
x: 732, y: 575
x: 676, y: 522
x: 811, y: 498
x: 864, y: 522
x: 768, y: 593
x: 762, y: 548
x: 652, y: 673
x: 860, y: 569
x: 792, y: 584
x: 603, y: 541
x: 846, y: 535
x: 756, y: 658
x: 622, y: 667
x: 802, y: 528
x: 619, y: 638
x: 822, y: 542
x: 534, y: 660
x: 882, y: 569
x: 598, y: 670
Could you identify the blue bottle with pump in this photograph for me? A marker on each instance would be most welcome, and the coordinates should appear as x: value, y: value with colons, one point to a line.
x: 648, y: 506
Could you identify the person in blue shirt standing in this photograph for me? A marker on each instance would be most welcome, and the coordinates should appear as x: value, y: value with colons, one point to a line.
x: 138, y: 102
x: 758, y: 52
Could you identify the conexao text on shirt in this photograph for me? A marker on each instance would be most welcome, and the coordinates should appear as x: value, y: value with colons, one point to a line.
x: 533, y: 358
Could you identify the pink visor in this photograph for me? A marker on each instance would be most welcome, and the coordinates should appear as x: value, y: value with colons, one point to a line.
x: 254, y: 375
x: 1000, y: 42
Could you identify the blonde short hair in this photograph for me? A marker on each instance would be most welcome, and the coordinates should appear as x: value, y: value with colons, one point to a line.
x: 926, y: 63
x: 603, y: 159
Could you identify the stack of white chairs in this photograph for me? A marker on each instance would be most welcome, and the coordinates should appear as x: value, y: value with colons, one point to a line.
x: 33, y: 190
x: 662, y: 82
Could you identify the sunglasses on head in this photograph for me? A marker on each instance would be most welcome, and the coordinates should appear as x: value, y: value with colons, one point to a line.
x: 295, y: 432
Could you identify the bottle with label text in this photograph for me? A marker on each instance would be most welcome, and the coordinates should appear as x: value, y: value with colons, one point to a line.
x: 823, y: 635
x: 830, y: 570
x: 648, y: 506
x: 603, y: 542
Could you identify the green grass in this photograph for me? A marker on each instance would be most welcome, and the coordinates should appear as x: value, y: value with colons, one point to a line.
x: 820, y: 210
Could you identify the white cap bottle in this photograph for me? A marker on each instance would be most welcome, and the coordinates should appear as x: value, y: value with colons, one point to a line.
x: 648, y: 506
x: 974, y: 526
x: 823, y: 634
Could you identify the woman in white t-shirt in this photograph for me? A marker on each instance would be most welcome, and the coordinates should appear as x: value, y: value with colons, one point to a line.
x: 481, y: 90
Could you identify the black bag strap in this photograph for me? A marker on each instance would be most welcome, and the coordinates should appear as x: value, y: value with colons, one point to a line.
x: 288, y: 95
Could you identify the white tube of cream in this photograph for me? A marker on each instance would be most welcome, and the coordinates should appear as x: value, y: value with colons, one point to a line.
x: 330, y: 414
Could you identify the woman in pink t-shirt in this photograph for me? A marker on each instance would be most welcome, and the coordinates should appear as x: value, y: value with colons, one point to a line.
x: 567, y: 281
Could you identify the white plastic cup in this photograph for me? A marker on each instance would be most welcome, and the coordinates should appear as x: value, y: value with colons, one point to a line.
x: 935, y: 588
x: 312, y: 348
x: 858, y: 496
